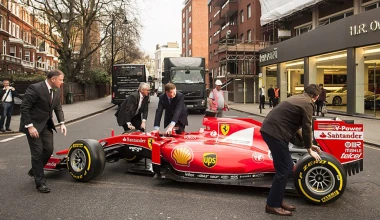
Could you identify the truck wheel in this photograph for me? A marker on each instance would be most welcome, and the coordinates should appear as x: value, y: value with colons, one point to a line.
x: 320, y: 182
x: 85, y: 160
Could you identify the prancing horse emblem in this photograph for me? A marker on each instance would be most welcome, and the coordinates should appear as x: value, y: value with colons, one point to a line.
x: 225, y: 128
x: 150, y: 143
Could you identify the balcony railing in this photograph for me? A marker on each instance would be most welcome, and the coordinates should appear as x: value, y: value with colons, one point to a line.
x: 41, y: 65
x: 11, y: 59
x: 229, y: 8
x: 28, y: 64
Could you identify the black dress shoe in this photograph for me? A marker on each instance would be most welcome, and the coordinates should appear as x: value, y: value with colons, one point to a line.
x: 2, y: 130
x: 42, y: 188
x: 288, y: 207
x: 277, y: 211
x: 30, y: 173
x: 8, y: 129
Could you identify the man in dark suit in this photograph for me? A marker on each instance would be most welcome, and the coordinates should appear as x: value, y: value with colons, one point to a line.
x: 175, y: 110
x: 7, y: 94
x: 36, y: 122
x: 135, y: 105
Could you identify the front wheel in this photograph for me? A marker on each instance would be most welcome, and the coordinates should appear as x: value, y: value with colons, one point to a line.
x: 337, y: 100
x: 320, y: 182
x: 85, y: 160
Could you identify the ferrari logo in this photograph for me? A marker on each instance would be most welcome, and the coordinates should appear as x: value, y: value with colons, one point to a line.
x: 225, y: 128
x: 209, y: 159
x: 150, y: 143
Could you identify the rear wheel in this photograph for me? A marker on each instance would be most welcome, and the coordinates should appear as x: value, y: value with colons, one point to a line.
x: 337, y: 100
x: 85, y: 160
x: 320, y: 182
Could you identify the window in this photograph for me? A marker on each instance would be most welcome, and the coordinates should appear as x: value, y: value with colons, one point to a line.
x: 370, y: 7
x: 183, y: 35
x: 190, y: 8
x: 210, y: 24
x: 242, y: 37
x: 249, y: 11
x: 17, y: 31
x: 241, y: 16
x: 335, y: 18
x: 302, y: 30
x: 4, y: 47
x: 21, y: 53
x: 249, y: 35
x: 183, y: 15
x: 13, y: 29
x: 210, y: 56
x: 210, y: 40
x: 183, y: 45
x: 189, y: 41
x: 1, y: 22
x: 209, y: 8
x: 27, y: 55
x: 183, y: 25
x: 12, y: 51
x: 9, y: 27
x: 189, y: 30
x: 190, y: 52
x: 189, y: 19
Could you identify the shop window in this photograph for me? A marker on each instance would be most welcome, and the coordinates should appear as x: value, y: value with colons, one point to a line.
x: 329, y: 79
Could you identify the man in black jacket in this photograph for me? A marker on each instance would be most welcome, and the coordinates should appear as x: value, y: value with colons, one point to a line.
x: 7, y: 94
x: 175, y: 110
x: 135, y: 105
x: 39, y: 102
x: 278, y: 128
x: 271, y: 96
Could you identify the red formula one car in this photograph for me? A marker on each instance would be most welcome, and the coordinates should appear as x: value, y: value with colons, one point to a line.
x: 227, y: 151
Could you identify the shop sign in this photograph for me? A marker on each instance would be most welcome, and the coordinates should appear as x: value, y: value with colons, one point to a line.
x: 364, y: 28
x: 271, y: 55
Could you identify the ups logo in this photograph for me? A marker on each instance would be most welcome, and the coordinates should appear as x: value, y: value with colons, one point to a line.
x: 209, y: 159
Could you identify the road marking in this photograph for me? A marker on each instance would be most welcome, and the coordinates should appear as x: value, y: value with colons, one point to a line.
x: 12, y: 138
x: 373, y: 148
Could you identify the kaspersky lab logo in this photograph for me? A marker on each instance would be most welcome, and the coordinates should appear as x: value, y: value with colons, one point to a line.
x: 209, y: 159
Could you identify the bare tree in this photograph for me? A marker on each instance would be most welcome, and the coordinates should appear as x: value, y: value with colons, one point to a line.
x: 76, y: 22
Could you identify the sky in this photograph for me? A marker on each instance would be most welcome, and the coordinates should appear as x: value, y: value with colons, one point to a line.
x: 162, y: 23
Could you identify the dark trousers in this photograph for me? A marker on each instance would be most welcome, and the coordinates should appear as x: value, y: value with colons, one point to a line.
x: 271, y: 101
x: 7, y: 113
x: 40, y: 149
x: 283, y: 166
x: 275, y: 102
x: 136, y: 122
x: 262, y: 101
x: 318, y: 105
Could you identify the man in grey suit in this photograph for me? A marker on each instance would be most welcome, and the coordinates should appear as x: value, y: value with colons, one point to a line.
x: 130, y: 111
x: 39, y: 102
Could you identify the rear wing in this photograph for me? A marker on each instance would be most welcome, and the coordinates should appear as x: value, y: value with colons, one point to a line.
x: 343, y: 139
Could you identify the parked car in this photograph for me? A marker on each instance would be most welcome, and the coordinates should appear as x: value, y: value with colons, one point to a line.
x: 368, y: 101
x: 339, y: 97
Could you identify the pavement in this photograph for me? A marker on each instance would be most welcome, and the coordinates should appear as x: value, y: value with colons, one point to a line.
x: 84, y: 109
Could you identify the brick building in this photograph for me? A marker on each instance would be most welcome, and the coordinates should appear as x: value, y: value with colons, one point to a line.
x: 23, y: 48
x: 234, y: 41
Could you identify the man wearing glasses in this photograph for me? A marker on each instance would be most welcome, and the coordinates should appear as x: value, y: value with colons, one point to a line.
x: 133, y: 112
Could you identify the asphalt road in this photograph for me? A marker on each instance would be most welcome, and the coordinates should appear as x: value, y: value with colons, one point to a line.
x: 116, y: 194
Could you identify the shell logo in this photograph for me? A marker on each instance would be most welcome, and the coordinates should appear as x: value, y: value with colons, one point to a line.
x: 182, y: 155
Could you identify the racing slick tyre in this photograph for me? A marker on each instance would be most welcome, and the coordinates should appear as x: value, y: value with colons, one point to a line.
x: 320, y: 182
x: 85, y: 160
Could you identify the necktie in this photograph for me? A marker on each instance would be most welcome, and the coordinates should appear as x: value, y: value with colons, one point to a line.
x: 51, y: 95
x: 170, y: 101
